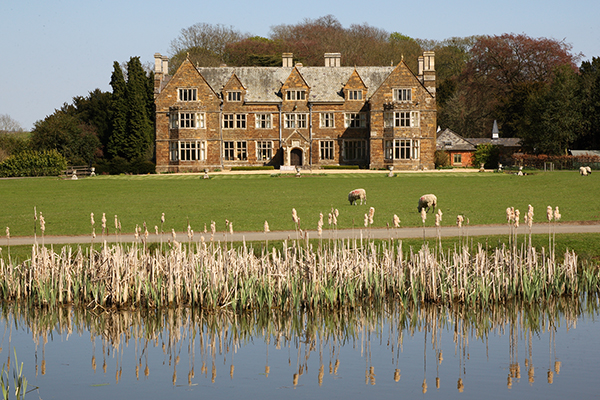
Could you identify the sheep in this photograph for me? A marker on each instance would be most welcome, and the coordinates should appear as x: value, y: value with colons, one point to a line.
x: 357, y: 194
x: 589, y: 170
x: 426, y: 201
x: 583, y: 171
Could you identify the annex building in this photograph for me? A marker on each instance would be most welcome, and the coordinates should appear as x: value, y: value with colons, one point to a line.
x: 295, y: 116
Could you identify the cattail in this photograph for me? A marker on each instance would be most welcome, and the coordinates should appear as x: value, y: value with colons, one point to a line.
x: 103, y: 223
x: 92, y: 219
x: 116, y: 223
x: 508, y: 215
x: 371, y: 214
x: 35, y: 213
x: 460, y: 386
x: 529, y: 216
x: 440, y: 213
x: 549, y: 213
x: 7, y: 233
x: 336, y: 213
x: 267, y: 370
x: 189, y: 232
x: 396, y: 221
x: 424, y: 385
x: 156, y: 229
x: 231, y: 228
x: 550, y: 376
x: 437, y: 220
x: 437, y: 382
x: 556, y: 214
x: 294, y: 216
x: 42, y: 223
x: 267, y: 227
x: 366, y: 220
x: 162, y: 218
x: 423, y: 215
x: 396, y: 375
x: 459, y: 220
x: 205, y: 228
x: 213, y: 227
x: 517, y: 214
x: 173, y: 234
x: 94, y: 233
x: 557, y: 367
x: 136, y: 234
x: 330, y: 219
x: 231, y: 371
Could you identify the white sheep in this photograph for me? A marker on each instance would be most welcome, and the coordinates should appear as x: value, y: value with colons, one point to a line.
x: 427, y: 201
x: 583, y: 171
x: 357, y: 194
x: 589, y: 170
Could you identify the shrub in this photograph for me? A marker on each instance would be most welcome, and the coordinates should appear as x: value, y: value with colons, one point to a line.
x: 487, y: 154
x: 143, y: 167
x: 34, y: 163
x: 251, y: 167
x: 441, y: 159
x: 340, y: 167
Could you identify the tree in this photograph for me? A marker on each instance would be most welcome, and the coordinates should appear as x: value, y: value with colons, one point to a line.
x: 589, y: 95
x: 205, y: 42
x: 118, y: 113
x: 75, y: 140
x: 9, y: 125
x: 553, y: 115
x: 254, y: 51
x: 94, y: 110
x: 503, y: 70
x: 139, y: 127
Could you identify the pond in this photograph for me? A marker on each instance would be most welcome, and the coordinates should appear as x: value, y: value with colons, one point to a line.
x: 517, y: 350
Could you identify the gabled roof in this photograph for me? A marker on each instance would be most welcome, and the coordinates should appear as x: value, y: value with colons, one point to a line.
x: 263, y: 84
x: 448, y: 140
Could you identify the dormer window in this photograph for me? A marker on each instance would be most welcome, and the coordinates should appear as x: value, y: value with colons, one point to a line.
x: 294, y: 95
x: 234, y: 96
x: 403, y: 95
x: 187, y: 94
x: 355, y: 95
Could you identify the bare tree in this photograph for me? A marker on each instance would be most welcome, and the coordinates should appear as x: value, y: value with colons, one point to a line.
x: 9, y: 125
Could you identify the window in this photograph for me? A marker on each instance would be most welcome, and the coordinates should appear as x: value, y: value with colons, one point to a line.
x: 263, y: 121
x: 264, y: 150
x: 295, y: 120
x: 235, y: 150
x: 326, y: 149
x: 354, y: 150
x: 354, y: 94
x: 327, y: 120
x: 403, y: 95
x: 187, y: 94
x: 174, y: 151
x: 186, y: 120
x: 193, y: 150
x: 234, y: 96
x: 295, y: 95
x: 401, y: 119
x: 402, y: 149
x: 240, y: 121
x: 457, y: 159
x: 231, y: 121
x: 355, y: 120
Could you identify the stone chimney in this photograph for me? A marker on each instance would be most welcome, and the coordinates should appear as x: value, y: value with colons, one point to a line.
x: 165, y: 65
x: 333, y: 59
x: 158, y: 64
x: 287, y: 60
x: 428, y: 71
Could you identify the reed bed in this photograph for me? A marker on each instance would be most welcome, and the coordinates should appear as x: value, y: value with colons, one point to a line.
x: 333, y: 274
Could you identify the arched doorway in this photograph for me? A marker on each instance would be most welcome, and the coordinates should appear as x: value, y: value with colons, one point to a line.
x: 296, y: 157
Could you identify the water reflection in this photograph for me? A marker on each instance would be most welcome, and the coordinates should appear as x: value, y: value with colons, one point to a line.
x: 309, y: 346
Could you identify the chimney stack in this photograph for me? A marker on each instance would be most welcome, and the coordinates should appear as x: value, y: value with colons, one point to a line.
x: 428, y: 71
x: 287, y: 60
x: 333, y: 59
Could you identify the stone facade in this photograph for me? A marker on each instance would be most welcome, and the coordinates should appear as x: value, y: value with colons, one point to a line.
x: 296, y: 116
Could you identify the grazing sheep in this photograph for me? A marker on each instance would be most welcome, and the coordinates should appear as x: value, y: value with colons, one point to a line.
x: 427, y: 201
x: 583, y: 171
x: 357, y: 194
x: 589, y: 170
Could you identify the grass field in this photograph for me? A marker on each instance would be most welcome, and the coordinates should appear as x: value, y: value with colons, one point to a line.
x: 249, y: 200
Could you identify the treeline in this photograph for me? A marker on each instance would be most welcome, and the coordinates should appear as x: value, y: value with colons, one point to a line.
x: 113, y: 131
x: 533, y: 87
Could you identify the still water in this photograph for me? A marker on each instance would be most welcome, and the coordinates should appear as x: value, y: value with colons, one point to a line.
x: 516, y: 351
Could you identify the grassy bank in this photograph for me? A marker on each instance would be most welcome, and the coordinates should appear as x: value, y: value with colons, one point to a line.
x: 249, y: 200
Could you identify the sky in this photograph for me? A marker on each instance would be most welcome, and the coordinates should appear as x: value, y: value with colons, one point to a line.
x: 54, y: 50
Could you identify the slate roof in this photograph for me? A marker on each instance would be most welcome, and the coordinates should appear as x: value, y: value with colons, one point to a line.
x: 505, y: 142
x: 448, y: 140
x: 263, y: 84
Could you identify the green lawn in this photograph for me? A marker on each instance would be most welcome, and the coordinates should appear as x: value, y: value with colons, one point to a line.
x: 249, y: 200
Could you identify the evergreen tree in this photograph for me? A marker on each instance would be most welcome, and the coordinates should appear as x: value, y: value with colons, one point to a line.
x: 139, y: 129
x: 118, y: 113
x: 589, y: 94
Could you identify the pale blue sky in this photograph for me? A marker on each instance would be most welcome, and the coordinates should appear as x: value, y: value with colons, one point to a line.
x: 54, y: 50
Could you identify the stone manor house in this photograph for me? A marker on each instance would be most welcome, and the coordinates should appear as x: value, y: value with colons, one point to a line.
x: 295, y: 116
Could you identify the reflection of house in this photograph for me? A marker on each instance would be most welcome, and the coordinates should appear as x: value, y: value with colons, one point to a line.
x: 460, y: 150
x: 293, y: 115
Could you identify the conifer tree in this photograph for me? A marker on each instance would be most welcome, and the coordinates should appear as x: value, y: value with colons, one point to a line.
x: 118, y: 114
x: 139, y: 130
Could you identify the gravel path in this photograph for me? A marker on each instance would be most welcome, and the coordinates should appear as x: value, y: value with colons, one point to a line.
x: 374, y: 233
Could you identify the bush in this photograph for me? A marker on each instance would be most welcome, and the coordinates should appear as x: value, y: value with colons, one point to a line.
x: 143, y: 167
x: 34, y: 163
x: 560, y: 162
x: 441, y: 159
x: 488, y: 155
x: 340, y: 167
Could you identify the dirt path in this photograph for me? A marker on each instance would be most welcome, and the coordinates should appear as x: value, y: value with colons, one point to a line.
x: 375, y: 233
